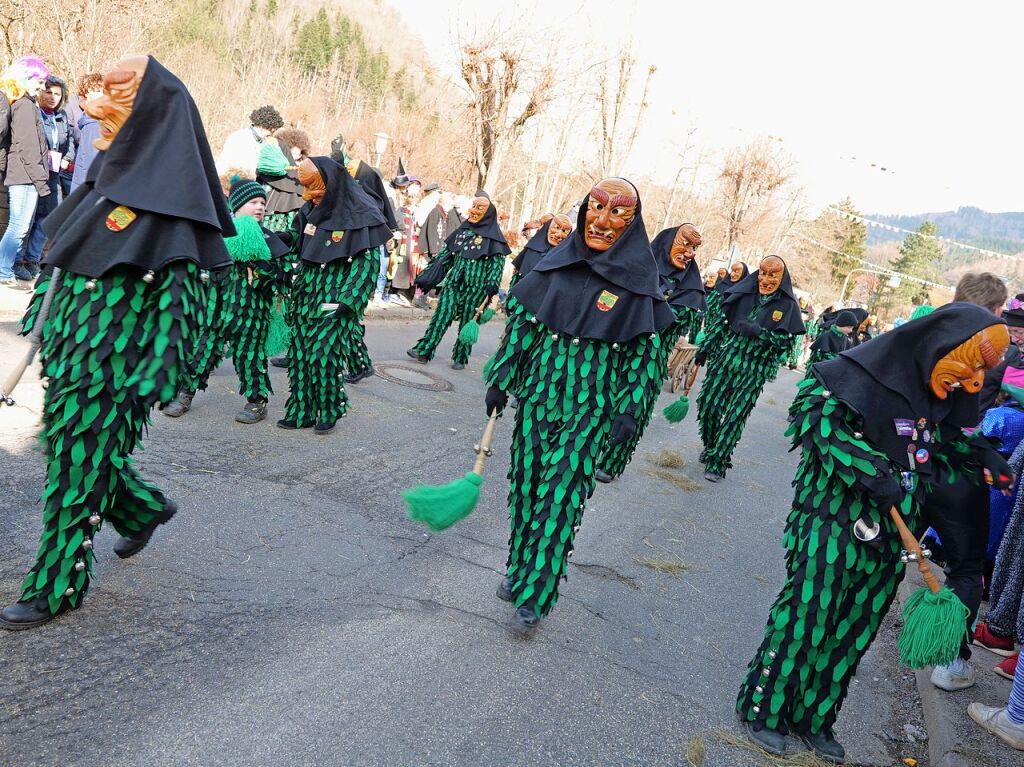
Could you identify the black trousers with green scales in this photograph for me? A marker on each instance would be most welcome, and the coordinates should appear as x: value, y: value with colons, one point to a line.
x: 112, y: 347
x: 465, y: 288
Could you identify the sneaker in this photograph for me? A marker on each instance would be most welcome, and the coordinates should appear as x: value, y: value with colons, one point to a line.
x: 983, y: 637
x: 998, y: 723
x: 14, y: 284
x: 179, y: 405
x: 399, y: 300
x: 253, y: 412
x: 22, y: 272
x: 421, y: 303
x: 1007, y: 668
x: 958, y: 675
x: 279, y: 362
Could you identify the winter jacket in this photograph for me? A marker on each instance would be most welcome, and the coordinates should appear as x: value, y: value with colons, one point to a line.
x: 89, y: 130
x: 5, y: 132
x: 27, y: 158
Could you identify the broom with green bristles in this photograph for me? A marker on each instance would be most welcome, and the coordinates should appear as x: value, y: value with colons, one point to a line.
x: 677, y: 411
x: 441, y: 506
x: 470, y: 332
x: 934, y: 618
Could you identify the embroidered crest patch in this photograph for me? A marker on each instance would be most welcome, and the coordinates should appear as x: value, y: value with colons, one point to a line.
x: 336, y: 236
x: 777, y: 315
x: 119, y: 218
x: 606, y: 301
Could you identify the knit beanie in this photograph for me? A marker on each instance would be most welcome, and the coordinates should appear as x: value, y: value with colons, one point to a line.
x: 242, y: 190
x: 845, y: 319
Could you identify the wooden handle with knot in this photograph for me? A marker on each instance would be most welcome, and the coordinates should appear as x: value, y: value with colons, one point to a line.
x: 483, y: 450
x: 910, y: 544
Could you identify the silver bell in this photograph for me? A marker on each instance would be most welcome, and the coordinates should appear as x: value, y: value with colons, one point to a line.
x: 765, y: 671
x: 554, y: 336
x: 858, y: 434
x: 771, y: 654
x: 575, y: 342
x: 69, y: 591
x: 757, y: 709
x: 533, y: 320
x: 148, y: 277
x: 90, y: 285
x: 570, y: 554
x: 615, y: 346
x: 759, y: 689
x: 204, y: 276
x: 826, y: 393
x: 87, y: 544
x: 94, y: 519
x: 79, y: 566
x: 862, y: 531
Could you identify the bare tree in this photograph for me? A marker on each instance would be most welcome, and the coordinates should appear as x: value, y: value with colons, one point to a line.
x: 749, y: 179
x: 616, y: 140
x: 503, y: 99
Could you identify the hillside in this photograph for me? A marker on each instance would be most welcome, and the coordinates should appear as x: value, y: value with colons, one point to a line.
x: 1001, y: 232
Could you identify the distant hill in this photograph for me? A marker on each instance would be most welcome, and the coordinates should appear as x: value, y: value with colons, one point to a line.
x: 1001, y: 232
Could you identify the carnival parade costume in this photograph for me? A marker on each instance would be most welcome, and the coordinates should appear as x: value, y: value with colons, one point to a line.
x: 709, y: 341
x: 684, y: 291
x: 239, y: 309
x: 877, y: 427
x: 128, y: 261
x: 832, y: 341
x: 475, y: 258
x: 550, y: 235
x: 337, y: 235
x: 581, y: 347
x: 761, y: 318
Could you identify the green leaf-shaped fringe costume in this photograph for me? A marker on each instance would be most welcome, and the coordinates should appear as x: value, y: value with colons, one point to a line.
x: 568, y: 395
x: 239, y: 303
x: 616, y: 458
x: 819, y: 355
x: 837, y: 588
x: 108, y: 354
x: 465, y: 288
x: 713, y: 319
x: 323, y: 343
x: 736, y: 374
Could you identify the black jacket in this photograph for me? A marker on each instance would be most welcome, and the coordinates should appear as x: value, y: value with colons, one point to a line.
x: 26, y: 148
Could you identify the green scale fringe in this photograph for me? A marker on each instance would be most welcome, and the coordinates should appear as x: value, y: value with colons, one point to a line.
x: 321, y: 341
x: 817, y: 356
x: 736, y: 374
x: 713, y: 323
x: 361, y: 281
x: 617, y: 457
x: 568, y: 396
x: 279, y: 222
x: 837, y: 589
x: 108, y: 354
x: 465, y: 288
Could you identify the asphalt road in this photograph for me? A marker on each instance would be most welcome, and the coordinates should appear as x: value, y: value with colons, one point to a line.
x: 292, y: 614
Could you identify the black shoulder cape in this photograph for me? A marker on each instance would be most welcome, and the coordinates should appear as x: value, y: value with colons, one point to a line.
x: 153, y: 197
x: 610, y: 295
x: 780, y: 311
x: 370, y: 179
x: 488, y: 239
x: 346, y: 222
x: 828, y: 319
x: 681, y: 287
x: 831, y: 342
x: 724, y: 284
x: 533, y: 251
x: 886, y: 383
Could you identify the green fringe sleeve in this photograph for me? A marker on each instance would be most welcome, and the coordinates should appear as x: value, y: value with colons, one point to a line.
x: 503, y: 369
x: 28, y: 321
x: 637, y: 372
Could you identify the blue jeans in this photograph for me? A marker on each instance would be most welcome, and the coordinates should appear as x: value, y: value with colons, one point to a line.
x: 33, y: 247
x: 382, y: 276
x: 23, y: 199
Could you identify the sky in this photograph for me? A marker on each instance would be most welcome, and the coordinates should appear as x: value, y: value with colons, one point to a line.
x: 931, y: 92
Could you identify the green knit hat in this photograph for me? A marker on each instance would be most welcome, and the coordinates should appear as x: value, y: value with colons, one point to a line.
x: 242, y: 190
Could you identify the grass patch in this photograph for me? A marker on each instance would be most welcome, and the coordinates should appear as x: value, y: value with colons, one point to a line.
x: 666, y: 459
x: 695, y: 751
x: 673, y: 567
x: 799, y: 759
x: 683, y: 483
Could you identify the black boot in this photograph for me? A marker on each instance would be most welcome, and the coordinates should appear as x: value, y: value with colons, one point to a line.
x: 703, y: 457
x: 323, y: 428
x: 825, y: 746
x: 603, y: 476
x: 357, y: 377
x: 284, y: 423
x: 129, y: 547
x: 710, y: 476
x: 27, y: 615
x: 504, y: 592
x: 527, y: 618
x: 770, y: 740
x: 416, y: 355
x: 279, y: 362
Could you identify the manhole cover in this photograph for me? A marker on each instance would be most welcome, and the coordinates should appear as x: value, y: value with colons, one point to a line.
x: 414, y: 377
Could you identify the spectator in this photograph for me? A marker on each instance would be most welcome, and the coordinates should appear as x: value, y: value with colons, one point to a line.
x: 89, y: 88
x: 26, y: 176
x: 61, y: 160
x: 242, y: 149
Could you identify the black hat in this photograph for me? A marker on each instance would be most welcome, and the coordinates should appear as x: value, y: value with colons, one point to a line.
x: 845, y: 319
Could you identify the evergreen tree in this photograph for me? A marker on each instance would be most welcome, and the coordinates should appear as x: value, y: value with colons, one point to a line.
x: 848, y: 236
x: 919, y: 256
x: 314, y: 44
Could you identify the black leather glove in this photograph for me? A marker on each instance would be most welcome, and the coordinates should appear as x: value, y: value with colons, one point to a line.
x: 746, y: 328
x: 884, y: 489
x: 343, y: 310
x: 995, y: 468
x: 495, y: 399
x: 623, y: 427
x: 491, y: 291
x: 701, y: 357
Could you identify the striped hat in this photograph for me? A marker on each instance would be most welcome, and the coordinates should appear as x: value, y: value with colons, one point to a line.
x: 242, y: 190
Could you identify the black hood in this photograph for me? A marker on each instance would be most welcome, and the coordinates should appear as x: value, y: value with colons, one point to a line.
x: 153, y: 197
x: 681, y: 287
x: 726, y: 282
x: 831, y: 341
x: 886, y: 381
x: 780, y: 311
x: 610, y: 295
x: 489, y: 240
x: 347, y: 221
x: 533, y: 251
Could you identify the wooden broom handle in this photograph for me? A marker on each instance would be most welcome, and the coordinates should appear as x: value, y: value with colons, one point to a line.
x: 480, y: 309
x: 910, y: 544
x: 691, y: 377
x: 483, y: 450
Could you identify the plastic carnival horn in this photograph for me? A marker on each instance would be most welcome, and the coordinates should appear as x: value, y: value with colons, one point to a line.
x: 441, y: 506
